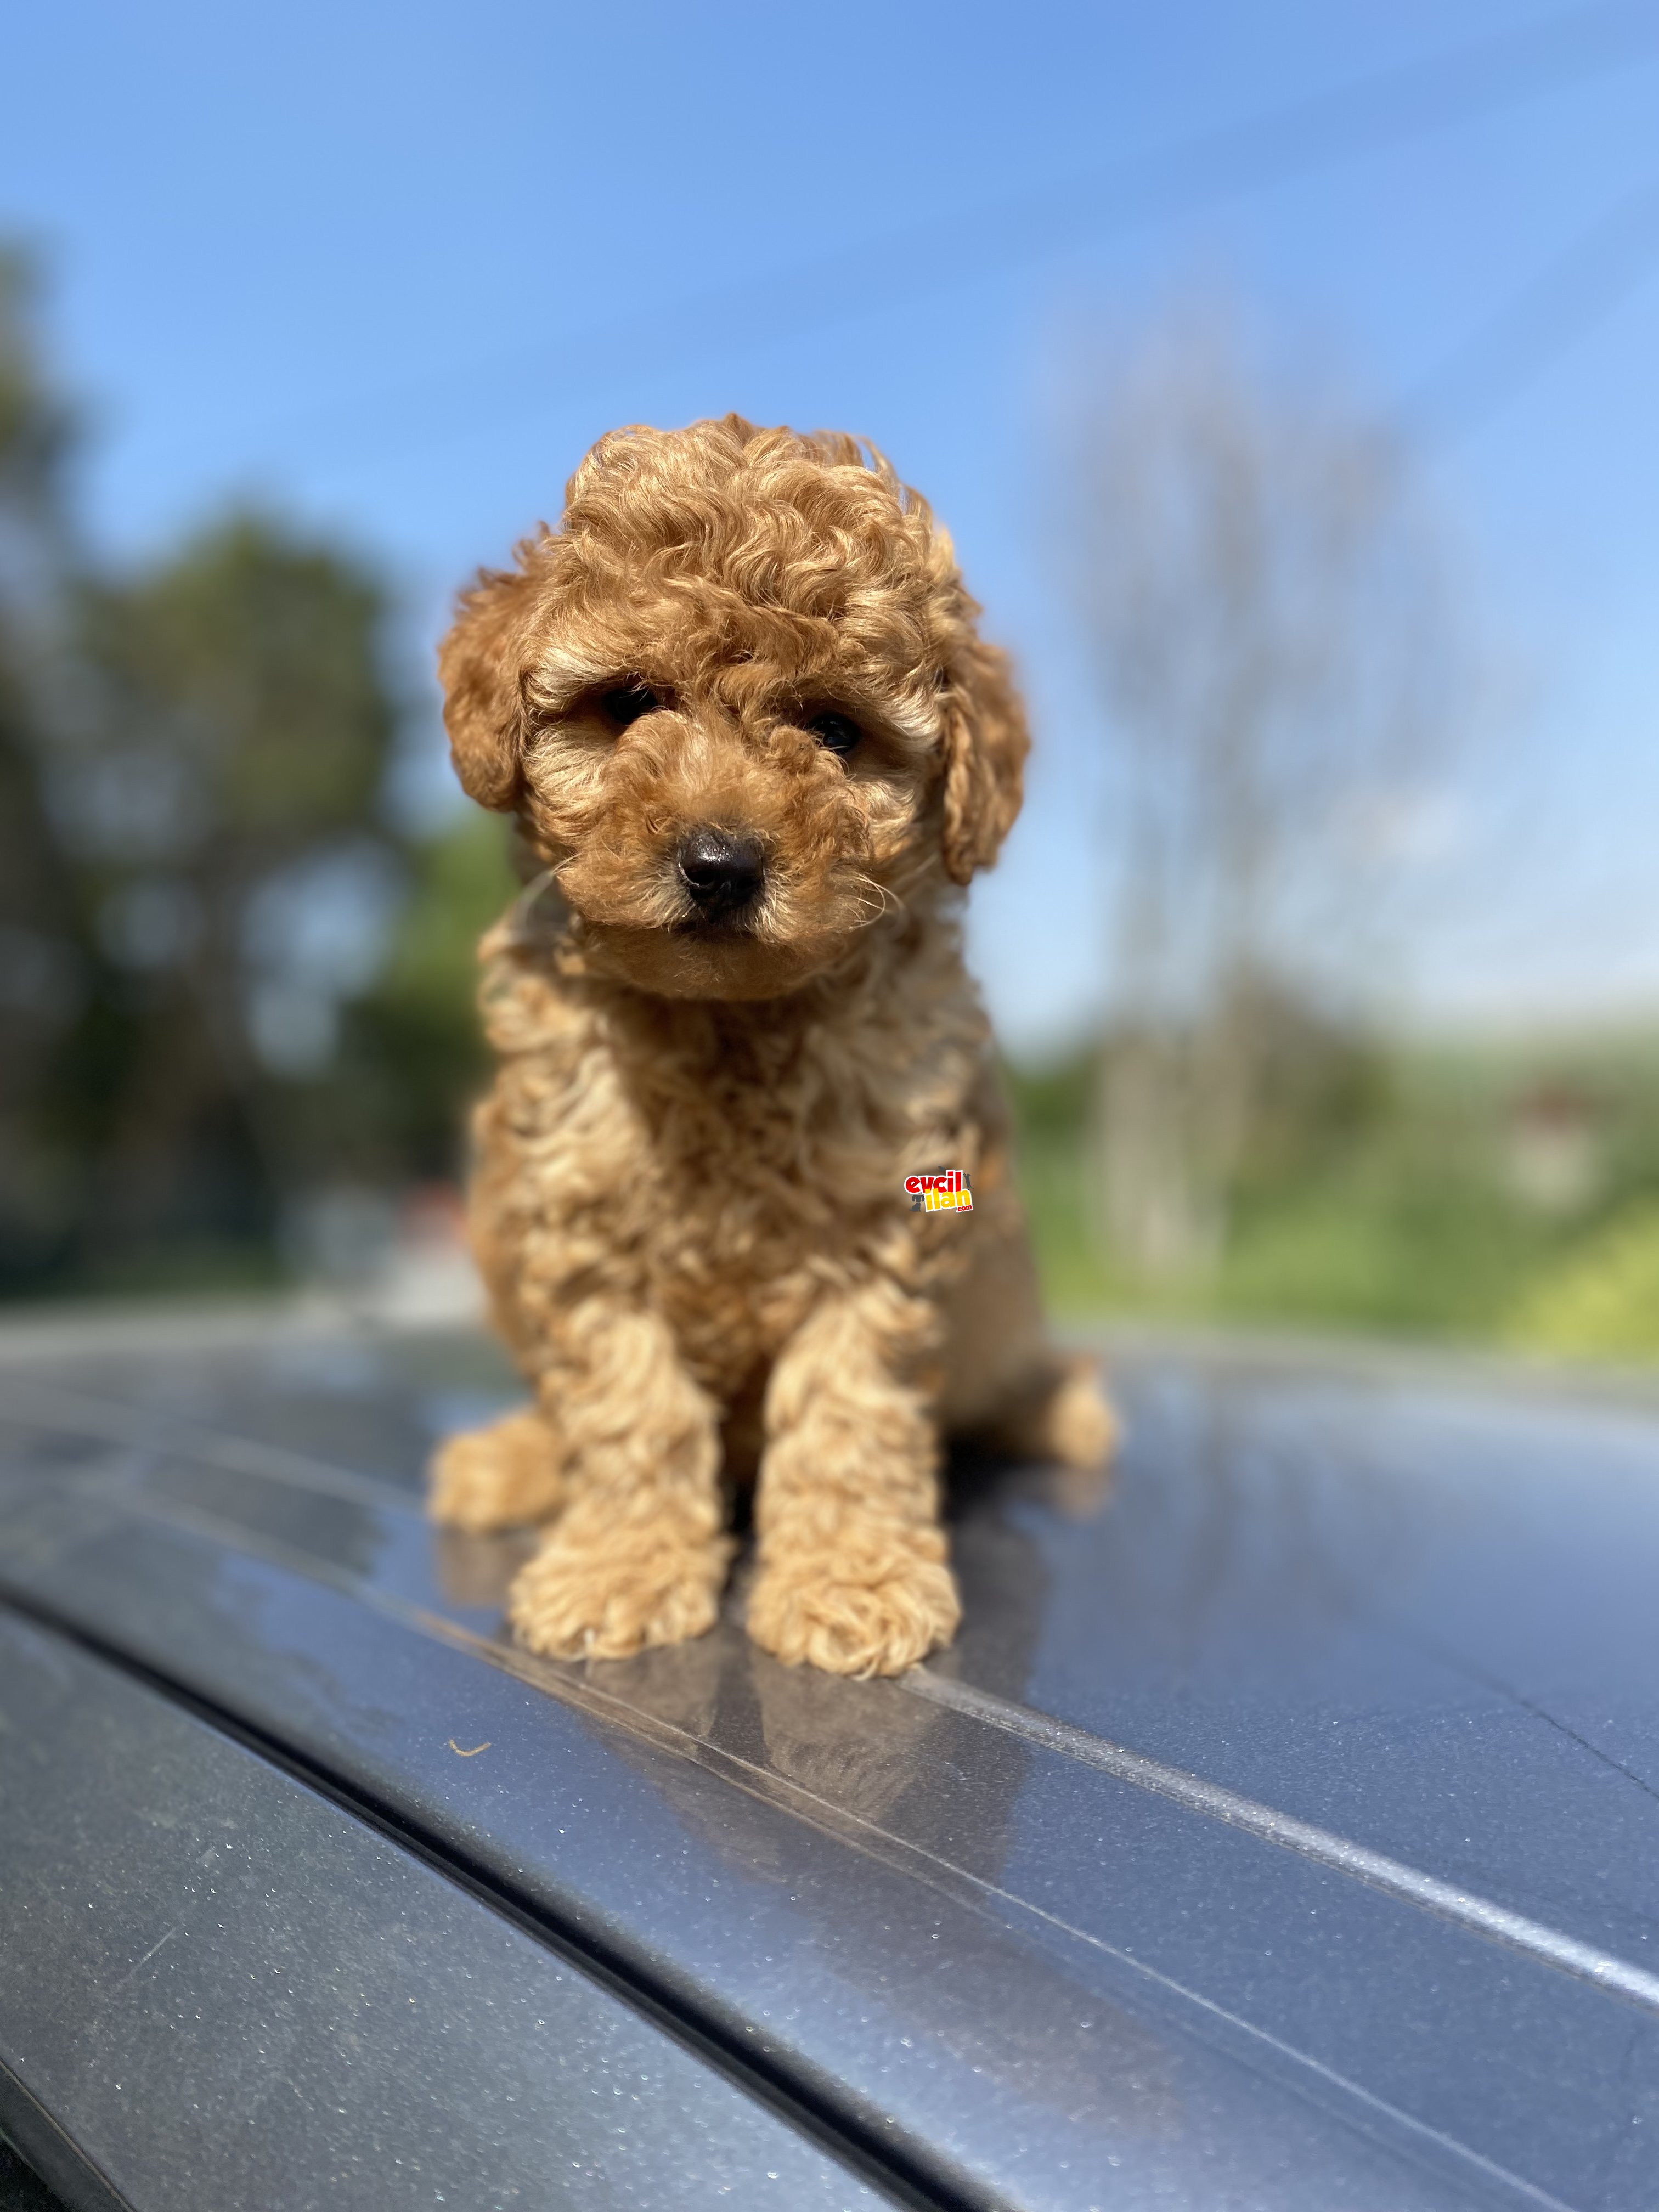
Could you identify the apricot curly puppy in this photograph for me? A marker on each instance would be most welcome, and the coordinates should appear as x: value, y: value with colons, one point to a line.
x: 740, y: 708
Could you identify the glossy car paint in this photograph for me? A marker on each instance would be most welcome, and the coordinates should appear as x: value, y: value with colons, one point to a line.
x: 241, y: 1995
x: 1284, y: 1830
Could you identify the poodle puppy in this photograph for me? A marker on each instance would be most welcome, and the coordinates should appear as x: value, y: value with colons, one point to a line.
x: 755, y: 747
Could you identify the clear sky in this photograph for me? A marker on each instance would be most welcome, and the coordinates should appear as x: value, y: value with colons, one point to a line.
x: 393, y: 269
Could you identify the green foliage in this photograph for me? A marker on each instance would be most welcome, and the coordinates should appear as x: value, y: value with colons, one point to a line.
x: 1323, y: 1090
x: 413, y: 1043
x: 1421, y: 1255
x: 464, y: 881
x: 43, y: 951
x: 1600, y: 1300
x: 220, y: 788
x: 1398, y: 1214
x: 35, y: 426
x: 251, y: 664
x: 1052, y: 1103
x: 225, y: 982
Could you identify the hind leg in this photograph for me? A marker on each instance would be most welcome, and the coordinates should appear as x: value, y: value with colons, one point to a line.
x: 1005, y: 1386
x: 1061, y: 1413
x: 500, y: 1477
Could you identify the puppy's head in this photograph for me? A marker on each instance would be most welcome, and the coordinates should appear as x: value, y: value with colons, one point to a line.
x: 738, y: 703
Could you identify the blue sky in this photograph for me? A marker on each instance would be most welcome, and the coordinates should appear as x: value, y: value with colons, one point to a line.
x: 391, y: 269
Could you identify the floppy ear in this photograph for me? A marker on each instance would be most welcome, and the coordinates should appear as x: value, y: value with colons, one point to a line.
x: 985, y: 743
x: 481, y: 667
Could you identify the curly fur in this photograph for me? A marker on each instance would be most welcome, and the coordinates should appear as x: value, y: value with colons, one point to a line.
x: 687, y: 1203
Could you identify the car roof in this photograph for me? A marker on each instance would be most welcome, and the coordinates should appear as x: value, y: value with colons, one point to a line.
x: 1283, y: 1828
x: 221, y: 1988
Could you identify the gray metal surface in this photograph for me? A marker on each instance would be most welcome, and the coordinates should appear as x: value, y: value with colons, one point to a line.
x: 1284, y: 1831
x: 233, y: 1994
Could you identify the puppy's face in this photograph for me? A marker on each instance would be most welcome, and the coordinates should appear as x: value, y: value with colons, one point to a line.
x: 739, y: 705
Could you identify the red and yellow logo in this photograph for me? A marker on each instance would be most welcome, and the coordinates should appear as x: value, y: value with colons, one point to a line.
x: 947, y: 1192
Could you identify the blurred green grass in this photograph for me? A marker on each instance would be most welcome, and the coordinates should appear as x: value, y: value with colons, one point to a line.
x: 1418, y: 1224
x: 1601, y: 1299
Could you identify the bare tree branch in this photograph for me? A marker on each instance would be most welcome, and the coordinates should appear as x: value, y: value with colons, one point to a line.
x: 1269, y: 617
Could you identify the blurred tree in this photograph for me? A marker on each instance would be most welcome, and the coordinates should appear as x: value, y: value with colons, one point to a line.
x: 413, y: 1054
x: 43, y: 956
x: 219, y: 779
x: 1266, y: 610
x: 36, y: 433
x: 228, y: 984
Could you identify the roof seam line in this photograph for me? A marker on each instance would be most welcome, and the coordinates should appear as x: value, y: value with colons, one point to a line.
x: 1496, y: 1923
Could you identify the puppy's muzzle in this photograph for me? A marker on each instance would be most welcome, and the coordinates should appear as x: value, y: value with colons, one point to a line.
x: 722, y: 874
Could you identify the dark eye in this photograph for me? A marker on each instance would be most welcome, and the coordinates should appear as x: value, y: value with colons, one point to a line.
x: 629, y: 701
x: 836, y: 733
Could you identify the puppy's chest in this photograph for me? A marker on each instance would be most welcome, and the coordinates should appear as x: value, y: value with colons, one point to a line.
x: 750, y: 1158
x: 752, y: 1210
x: 747, y: 1162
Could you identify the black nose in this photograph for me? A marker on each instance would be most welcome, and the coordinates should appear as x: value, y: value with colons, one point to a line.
x: 721, y: 872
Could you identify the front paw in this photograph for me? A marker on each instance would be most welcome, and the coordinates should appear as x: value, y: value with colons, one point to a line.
x: 496, y: 1478
x: 608, y: 1600
x: 869, y: 1608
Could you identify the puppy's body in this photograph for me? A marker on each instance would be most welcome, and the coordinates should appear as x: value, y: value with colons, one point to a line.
x: 725, y: 1166
x: 688, y: 1204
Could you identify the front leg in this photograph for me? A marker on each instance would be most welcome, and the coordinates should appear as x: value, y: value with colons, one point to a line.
x: 852, y: 1558
x: 638, y: 1557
